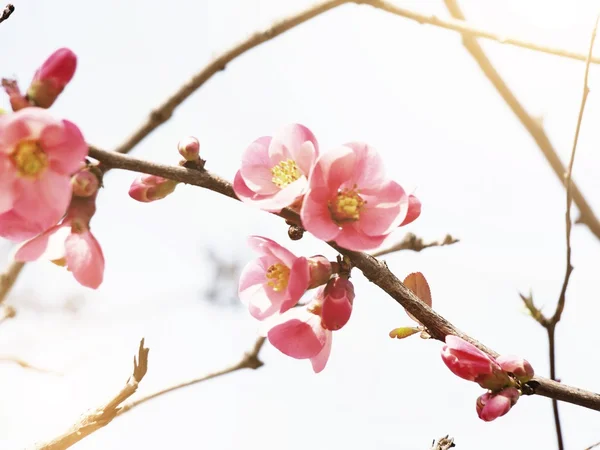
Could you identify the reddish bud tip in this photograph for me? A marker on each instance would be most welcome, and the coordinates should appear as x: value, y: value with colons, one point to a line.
x: 84, y: 183
x: 519, y: 367
x: 338, y: 297
x: 189, y: 148
x: 52, y: 77
x: 491, y: 406
x: 149, y: 188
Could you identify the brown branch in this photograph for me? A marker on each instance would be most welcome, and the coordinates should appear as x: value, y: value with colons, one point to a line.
x: 249, y: 361
x: 445, y: 443
x: 102, y: 416
x: 597, y: 444
x: 414, y: 243
x: 8, y: 312
x: 26, y: 365
x: 8, y: 278
x: 375, y: 271
x: 534, y: 128
x: 7, y: 12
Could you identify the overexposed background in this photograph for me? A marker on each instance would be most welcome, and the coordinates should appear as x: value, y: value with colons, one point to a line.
x: 354, y: 73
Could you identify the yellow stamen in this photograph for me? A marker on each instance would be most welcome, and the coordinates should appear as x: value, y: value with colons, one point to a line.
x: 284, y: 173
x: 346, y: 206
x: 279, y: 275
x: 29, y: 159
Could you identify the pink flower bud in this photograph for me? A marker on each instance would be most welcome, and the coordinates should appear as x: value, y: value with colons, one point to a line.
x: 320, y: 271
x: 84, y: 183
x: 338, y: 296
x: 149, y: 188
x: 491, y: 406
x: 189, y: 148
x: 519, y: 367
x: 52, y: 77
x: 467, y: 361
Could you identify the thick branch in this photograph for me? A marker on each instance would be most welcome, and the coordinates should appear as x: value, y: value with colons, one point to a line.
x: 374, y: 270
x: 102, y: 416
x: 534, y: 128
x: 7, y: 12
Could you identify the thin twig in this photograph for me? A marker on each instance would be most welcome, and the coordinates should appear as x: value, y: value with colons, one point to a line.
x: 103, y: 415
x: 375, y: 271
x: 597, y: 444
x: 249, y: 361
x: 8, y: 312
x: 416, y: 244
x: 535, y: 129
x: 7, y: 12
x: 26, y: 365
x: 8, y: 278
x: 445, y: 443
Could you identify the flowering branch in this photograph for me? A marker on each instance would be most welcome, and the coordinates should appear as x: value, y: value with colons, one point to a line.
x: 533, y: 126
x: 7, y: 12
x: 416, y: 244
x: 8, y: 278
x: 103, y: 415
x: 250, y: 360
x: 375, y: 271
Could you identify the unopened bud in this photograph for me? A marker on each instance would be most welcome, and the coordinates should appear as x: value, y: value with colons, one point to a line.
x: 84, y: 183
x: 491, y: 406
x: 52, y: 77
x: 519, y: 367
x: 189, y: 148
x: 338, y: 297
x: 320, y: 271
x: 149, y: 188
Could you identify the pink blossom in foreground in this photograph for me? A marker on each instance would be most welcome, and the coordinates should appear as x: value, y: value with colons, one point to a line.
x: 70, y: 244
x: 52, y: 77
x: 491, y: 406
x: 338, y: 297
x: 299, y: 333
x: 350, y: 200
x: 38, y: 154
x: 275, y: 170
x: 149, y: 188
x: 275, y: 281
x: 467, y: 361
x: 519, y: 367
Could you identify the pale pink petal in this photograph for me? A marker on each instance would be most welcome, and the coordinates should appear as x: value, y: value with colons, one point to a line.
x: 384, y: 211
x: 12, y: 130
x: 261, y: 300
x: 297, y: 284
x: 256, y: 167
x: 316, y: 217
x: 285, y: 197
x: 264, y: 202
x: 65, y: 146
x: 370, y: 170
x: 85, y: 259
x: 414, y: 210
x: 18, y: 228
x: 35, y: 248
x: 334, y: 168
x: 45, y: 200
x: 268, y: 247
x: 300, y: 334
x: 7, y: 178
x: 353, y: 239
x: 301, y: 146
x: 319, y: 361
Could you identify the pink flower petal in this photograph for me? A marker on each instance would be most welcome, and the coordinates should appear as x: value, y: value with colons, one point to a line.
x: 12, y: 130
x: 301, y: 146
x: 7, y: 178
x: 297, y: 284
x: 268, y: 247
x: 414, y: 210
x: 316, y: 217
x: 18, y: 228
x: 261, y: 300
x: 384, y: 211
x: 85, y: 259
x: 256, y: 167
x: 65, y: 146
x: 300, y: 334
x: 320, y: 360
x: 370, y: 170
x: 353, y: 239
x: 333, y: 168
x: 45, y: 200
x: 33, y: 249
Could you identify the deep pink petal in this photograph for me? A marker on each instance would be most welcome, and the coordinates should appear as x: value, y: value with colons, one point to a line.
x: 384, y: 211
x: 65, y: 146
x: 7, y: 189
x: 268, y: 247
x: 353, y: 239
x: 300, y: 145
x: 414, y: 210
x: 320, y: 360
x: 370, y: 169
x: 297, y: 284
x: 256, y: 167
x: 300, y: 334
x: 85, y: 259
x: 315, y: 215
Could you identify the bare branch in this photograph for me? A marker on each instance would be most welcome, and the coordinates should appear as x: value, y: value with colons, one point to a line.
x: 26, y: 365
x: 533, y: 126
x: 103, y: 415
x: 375, y: 271
x: 8, y: 278
x: 597, y: 444
x: 7, y: 12
x: 416, y: 244
x: 249, y: 361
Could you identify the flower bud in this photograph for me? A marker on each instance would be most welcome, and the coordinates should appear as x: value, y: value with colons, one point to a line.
x: 320, y: 271
x: 52, y: 77
x: 465, y: 360
x: 189, y: 148
x: 519, y: 367
x: 149, y: 188
x: 491, y: 406
x: 338, y: 296
x: 85, y: 183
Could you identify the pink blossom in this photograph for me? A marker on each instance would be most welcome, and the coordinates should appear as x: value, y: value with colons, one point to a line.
x: 465, y: 360
x: 299, y: 333
x: 275, y: 281
x: 275, y: 170
x: 149, y: 188
x: 519, y: 367
x: 70, y: 244
x: 338, y: 297
x: 350, y: 200
x: 491, y: 406
x: 52, y: 77
x: 38, y: 154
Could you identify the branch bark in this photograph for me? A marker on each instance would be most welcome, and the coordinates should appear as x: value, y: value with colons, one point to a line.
x: 416, y: 244
x: 8, y: 278
x: 7, y: 12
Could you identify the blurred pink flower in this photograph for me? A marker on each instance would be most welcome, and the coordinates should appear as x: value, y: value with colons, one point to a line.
x: 275, y: 281
x: 275, y: 170
x: 38, y: 154
x: 149, y: 188
x: 350, y: 200
x: 52, y: 77
x: 338, y: 297
x: 70, y: 244
x: 491, y: 406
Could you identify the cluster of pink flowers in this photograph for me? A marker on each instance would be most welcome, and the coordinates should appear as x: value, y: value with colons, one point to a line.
x: 271, y: 287
x: 45, y: 184
x: 343, y: 195
x: 502, y: 376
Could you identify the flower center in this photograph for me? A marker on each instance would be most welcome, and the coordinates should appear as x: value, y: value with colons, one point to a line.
x: 346, y: 206
x: 278, y: 276
x: 29, y: 159
x: 284, y: 173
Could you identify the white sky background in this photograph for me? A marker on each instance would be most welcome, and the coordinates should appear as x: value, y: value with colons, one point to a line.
x: 354, y: 73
